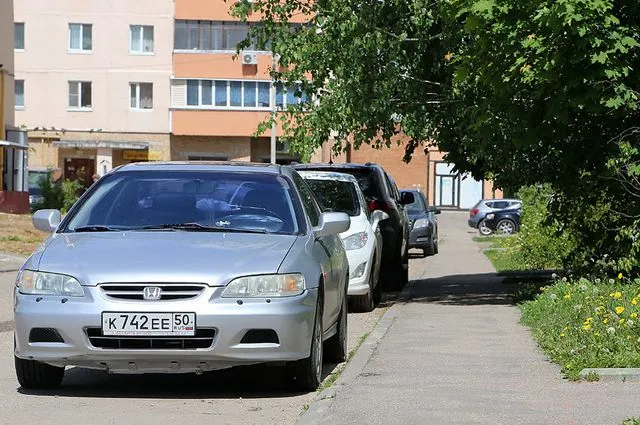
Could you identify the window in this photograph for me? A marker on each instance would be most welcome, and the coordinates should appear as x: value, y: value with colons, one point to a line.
x: 18, y: 37
x: 19, y: 90
x: 209, y: 35
x: 141, y: 39
x: 141, y: 95
x: 79, y: 95
x: 80, y: 37
x: 308, y: 200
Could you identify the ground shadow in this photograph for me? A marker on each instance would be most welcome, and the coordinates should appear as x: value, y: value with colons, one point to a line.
x: 256, y: 381
x: 477, y: 289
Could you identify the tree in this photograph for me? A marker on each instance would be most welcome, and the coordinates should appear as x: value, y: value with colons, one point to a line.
x: 523, y: 92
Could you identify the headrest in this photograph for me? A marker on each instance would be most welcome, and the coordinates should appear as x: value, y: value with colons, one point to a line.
x: 173, y: 201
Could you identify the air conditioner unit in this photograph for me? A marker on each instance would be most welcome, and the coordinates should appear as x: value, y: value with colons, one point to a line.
x: 282, y: 147
x: 249, y: 58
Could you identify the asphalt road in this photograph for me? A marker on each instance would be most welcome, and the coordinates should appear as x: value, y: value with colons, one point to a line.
x: 248, y: 395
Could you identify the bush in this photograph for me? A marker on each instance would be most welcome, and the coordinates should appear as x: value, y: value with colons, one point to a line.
x: 542, y: 243
x: 587, y: 324
x: 58, y: 195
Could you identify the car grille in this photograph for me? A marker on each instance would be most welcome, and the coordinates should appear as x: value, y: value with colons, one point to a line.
x: 135, y: 291
x: 202, y: 339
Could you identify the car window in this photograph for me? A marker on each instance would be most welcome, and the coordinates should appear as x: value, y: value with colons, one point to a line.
x: 308, y: 200
x: 500, y: 204
x: 335, y: 195
x: 391, y: 186
x: 489, y: 204
x: 134, y: 200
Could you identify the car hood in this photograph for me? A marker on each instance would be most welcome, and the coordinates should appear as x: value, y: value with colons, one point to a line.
x: 211, y: 258
x: 416, y: 215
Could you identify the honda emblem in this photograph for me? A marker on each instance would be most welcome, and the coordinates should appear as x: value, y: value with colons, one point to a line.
x: 152, y: 293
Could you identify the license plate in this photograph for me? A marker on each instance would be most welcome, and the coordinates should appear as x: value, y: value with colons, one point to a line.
x: 148, y: 324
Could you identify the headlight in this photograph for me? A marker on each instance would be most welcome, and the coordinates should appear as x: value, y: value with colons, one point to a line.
x: 275, y: 285
x: 490, y: 216
x: 40, y: 283
x: 355, y: 241
x: 420, y: 223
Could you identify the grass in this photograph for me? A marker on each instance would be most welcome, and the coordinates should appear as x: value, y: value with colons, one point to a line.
x: 501, y: 253
x: 631, y: 421
x: 17, y: 234
x: 587, y: 324
x: 335, y: 374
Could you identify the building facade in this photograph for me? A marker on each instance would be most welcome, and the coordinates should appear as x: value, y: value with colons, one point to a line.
x: 94, y: 83
x: 14, y: 197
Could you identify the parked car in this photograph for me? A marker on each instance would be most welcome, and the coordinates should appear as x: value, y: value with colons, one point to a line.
x: 504, y: 222
x: 142, y: 276
x: 423, y: 224
x: 478, y: 213
x: 35, y: 177
x: 381, y: 193
x: 363, y: 241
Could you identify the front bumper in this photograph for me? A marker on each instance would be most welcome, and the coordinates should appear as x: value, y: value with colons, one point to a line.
x: 420, y: 238
x: 360, y: 285
x: 291, y: 318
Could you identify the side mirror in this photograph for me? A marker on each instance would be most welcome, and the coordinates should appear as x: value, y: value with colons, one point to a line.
x: 434, y: 210
x: 46, y: 220
x: 407, y: 198
x: 377, y: 216
x: 332, y: 223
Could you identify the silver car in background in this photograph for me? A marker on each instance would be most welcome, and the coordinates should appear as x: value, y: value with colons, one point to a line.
x: 185, y: 267
x: 478, y: 214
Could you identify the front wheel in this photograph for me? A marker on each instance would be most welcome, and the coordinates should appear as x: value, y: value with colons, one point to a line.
x: 307, y: 373
x: 365, y: 303
x: 335, y: 350
x: 506, y: 227
x: 34, y: 375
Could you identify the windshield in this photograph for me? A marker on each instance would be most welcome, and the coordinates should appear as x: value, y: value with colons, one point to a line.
x: 335, y: 195
x: 146, y: 200
x: 417, y: 206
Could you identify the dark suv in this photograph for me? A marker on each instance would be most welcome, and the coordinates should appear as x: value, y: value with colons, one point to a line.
x: 382, y: 193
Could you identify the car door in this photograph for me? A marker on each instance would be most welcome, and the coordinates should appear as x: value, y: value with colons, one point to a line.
x: 327, y: 250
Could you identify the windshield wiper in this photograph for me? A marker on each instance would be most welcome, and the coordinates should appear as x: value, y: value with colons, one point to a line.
x: 96, y: 229
x: 197, y: 227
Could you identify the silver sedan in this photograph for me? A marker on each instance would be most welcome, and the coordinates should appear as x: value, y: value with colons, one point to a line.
x: 185, y: 267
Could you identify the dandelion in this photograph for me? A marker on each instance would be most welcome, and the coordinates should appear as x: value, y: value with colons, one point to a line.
x: 562, y: 334
x: 620, y: 276
x: 617, y: 295
x: 634, y: 301
x: 612, y: 281
x: 621, y: 321
x: 554, y: 276
x: 586, y: 326
x: 564, y: 279
x: 605, y: 321
x: 630, y: 322
x: 567, y: 296
x: 619, y: 309
x: 634, y: 315
x: 553, y: 296
x: 598, y: 281
x: 583, y: 287
x: 611, y: 330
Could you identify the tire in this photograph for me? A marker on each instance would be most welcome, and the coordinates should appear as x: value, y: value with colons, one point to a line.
x: 506, y: 227
x: 431, y: 249
x: 335, y: 349
x: 306, y: 374
x: 34, y: 375
x: 435, y: 245
x: 483, y: 229
x: 365, y: 303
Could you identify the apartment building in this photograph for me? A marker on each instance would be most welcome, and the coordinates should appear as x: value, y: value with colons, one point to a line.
x: 218, y: 102
x: 92, y: 81
x: 14, y: 197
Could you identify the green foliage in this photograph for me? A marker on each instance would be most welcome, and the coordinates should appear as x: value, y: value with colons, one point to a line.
x: 631, y: 421
x: 524, y: 92
x: 58, y: 195
x: 587, y: 324
x: 543, y: 242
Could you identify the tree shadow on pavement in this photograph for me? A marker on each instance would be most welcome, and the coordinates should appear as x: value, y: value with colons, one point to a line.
x: 474, y: 289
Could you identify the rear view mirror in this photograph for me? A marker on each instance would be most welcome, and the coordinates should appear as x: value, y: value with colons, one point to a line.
x: 46, y: 220
x: 407, y: 198
x: 332, y: 223
x: 434, y: 210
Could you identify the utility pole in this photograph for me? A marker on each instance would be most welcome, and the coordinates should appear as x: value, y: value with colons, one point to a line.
x: 273, y: 110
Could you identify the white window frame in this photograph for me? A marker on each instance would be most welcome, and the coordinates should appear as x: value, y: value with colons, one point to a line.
x: 143, y: 28
x: 228, y: 106
x: 82, y: 29
x: 20, y: 107
x: 24, y: 37
x: 137, y: 85
x: 79, y: 107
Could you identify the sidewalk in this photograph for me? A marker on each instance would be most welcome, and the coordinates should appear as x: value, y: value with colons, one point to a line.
x: 455, y: 354
x: 10, y: 263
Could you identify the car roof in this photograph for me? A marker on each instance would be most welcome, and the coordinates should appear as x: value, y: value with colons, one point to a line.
x: 340, y: 165
x: 225, y: 166
x: 327, y: 175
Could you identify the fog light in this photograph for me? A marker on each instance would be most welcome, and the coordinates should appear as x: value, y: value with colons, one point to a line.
x: 359, y: 271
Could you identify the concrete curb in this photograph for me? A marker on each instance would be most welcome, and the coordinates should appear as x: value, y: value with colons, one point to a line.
x: 322, y: 402
x: 613, y: 374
